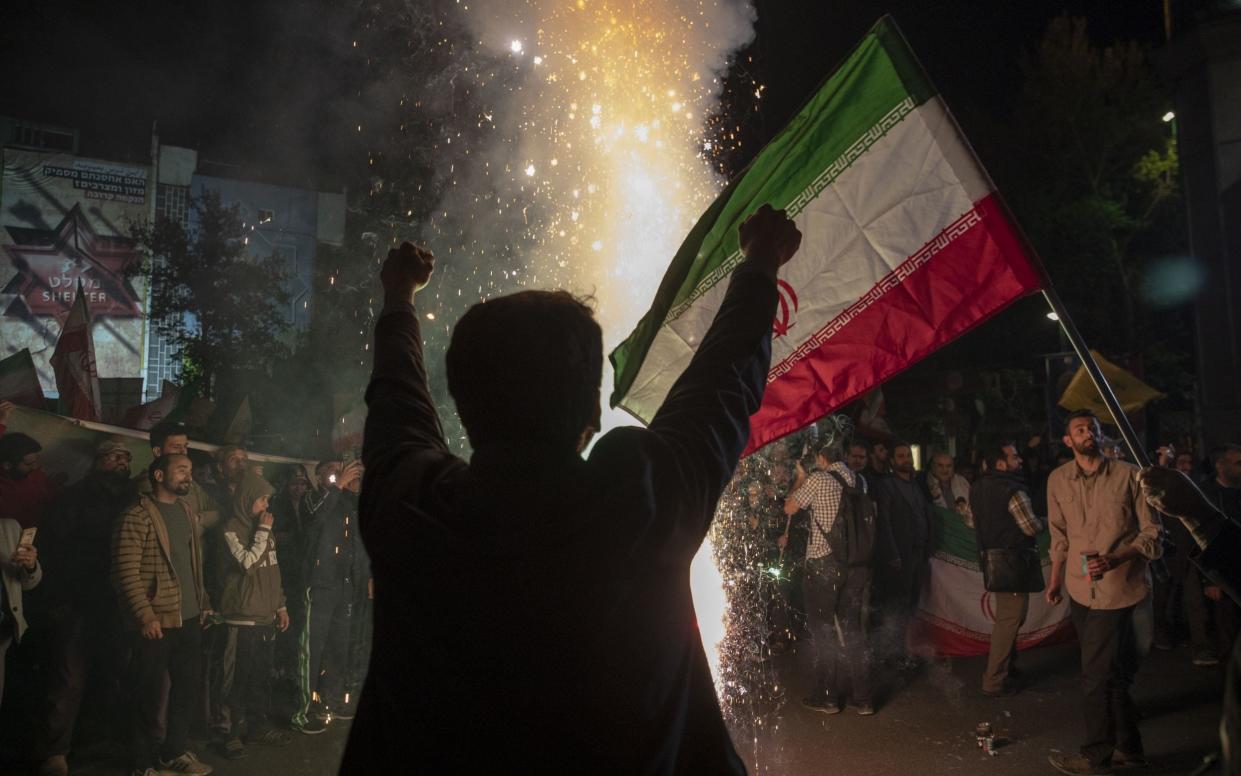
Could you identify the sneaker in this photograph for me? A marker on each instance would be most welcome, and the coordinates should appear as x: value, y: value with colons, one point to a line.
x: 1206, y: 658
x: 187, y: 762
x: 312, y: 726
x: 346, y: 712
x: 270, y: 737
x: 865, y: 710
x: 821, y: 704
x: 56, y: 765
x: 1076, y: 765
x: 1124, y: 761
x: 232, y: 748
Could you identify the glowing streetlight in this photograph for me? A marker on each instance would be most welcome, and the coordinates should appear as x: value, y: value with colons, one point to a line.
x: 1052, y: 316
x: 1168, y: 117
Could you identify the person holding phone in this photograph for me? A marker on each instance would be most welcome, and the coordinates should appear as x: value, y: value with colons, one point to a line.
x: 20, y: 569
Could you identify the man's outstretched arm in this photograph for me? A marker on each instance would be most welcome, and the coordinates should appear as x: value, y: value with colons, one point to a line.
x: 401, y: 416
x: 401, y: 423
x: 704, y: 423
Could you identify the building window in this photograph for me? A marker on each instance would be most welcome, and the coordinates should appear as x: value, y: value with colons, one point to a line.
x: 265, y: 216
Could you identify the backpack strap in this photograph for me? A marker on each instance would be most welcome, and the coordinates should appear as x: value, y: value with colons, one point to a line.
x: 845, y: 488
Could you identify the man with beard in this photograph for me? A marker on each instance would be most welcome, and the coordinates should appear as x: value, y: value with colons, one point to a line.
x: 1004, y: 520
x: 157, y: 569
x: 1103, y: 535
x: 169, y: 438
x: 947, y: 488
x: 878, y: 463
x: 232, y: 462
x: 905, y: 510
x: 87, y: 647
x: 1224, y: 492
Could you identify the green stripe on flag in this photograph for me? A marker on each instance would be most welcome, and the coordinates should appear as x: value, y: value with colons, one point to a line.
x: 878, y: 85
x: 959, y: 544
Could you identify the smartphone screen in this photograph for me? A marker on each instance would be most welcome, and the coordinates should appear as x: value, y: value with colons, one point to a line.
x: 28, y: 536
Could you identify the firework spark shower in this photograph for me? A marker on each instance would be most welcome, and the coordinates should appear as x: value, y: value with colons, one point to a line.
x: 610, y: 165
x: 612, y: 149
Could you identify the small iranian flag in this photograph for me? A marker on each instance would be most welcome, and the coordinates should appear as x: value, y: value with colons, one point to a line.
x: 19, y: 382
x: 74, y: 363
x: 905, y: 247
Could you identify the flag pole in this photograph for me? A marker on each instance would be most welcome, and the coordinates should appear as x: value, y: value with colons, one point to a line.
x: 1101, y: 384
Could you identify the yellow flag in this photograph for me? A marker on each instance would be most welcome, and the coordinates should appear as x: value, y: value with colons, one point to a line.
x: 1132, y: 393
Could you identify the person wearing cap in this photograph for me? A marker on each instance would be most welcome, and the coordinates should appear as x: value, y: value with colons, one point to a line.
x: 252, y: 606
x: 87, y: 645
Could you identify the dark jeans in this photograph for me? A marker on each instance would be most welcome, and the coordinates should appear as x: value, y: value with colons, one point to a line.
x: 87, y: 657
x: 178, y: 654
x: 1184, y: 586
x: 359, y: 645
x: 835, y: 600
x: 323, y: 662
x: 897, y: 603
x: 241, y: 679
x: 1109, y: 662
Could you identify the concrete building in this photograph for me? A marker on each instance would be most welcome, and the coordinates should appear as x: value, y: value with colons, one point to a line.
x: 1202, y: 63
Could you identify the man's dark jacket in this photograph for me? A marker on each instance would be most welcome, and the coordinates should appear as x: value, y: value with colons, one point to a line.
x: 994, y: 525
x: 907, y: 510
x: 333, y: 554
x: 76, y: 543
x: 533, y: 609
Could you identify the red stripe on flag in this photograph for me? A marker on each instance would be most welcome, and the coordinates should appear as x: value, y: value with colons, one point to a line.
x: 979, y: 272
x: 949, y: 641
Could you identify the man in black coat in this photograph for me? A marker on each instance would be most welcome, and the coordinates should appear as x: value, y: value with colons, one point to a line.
x: 87, y: 646
x: 532, y: 608
x: 905, y: 508
x: 1004, y: 519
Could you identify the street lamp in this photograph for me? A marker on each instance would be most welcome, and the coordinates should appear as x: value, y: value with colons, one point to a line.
x: 1168, y: 117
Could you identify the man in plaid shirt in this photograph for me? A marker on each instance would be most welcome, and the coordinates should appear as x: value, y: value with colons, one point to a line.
x: 835, y: 592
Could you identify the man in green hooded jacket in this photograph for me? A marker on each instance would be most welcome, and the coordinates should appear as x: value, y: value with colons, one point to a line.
x: 252, y: 606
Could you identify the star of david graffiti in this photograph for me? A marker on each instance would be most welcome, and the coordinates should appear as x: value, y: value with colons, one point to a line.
x: 50, y: 263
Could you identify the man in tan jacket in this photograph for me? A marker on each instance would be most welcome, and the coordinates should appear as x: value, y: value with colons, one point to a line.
x: 158, y: 575
x: 1103, y: 534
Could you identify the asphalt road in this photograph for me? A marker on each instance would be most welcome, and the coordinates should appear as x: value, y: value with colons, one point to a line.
x: 923, y: 727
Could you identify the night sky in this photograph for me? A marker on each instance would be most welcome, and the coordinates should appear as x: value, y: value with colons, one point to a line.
x: 260, y: 85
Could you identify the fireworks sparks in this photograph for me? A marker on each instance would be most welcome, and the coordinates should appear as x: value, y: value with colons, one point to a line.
x: 585, y: 155
x: 606, y: 109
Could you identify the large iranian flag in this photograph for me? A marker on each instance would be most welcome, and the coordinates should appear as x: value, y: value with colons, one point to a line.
x: 956, y: 613
x: 906, y: 247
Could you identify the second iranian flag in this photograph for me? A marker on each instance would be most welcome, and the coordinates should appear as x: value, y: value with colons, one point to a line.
x: 905, y: 247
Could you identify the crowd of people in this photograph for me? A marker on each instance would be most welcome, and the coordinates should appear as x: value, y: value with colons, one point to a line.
x: 191, y: 597
x: 849, y: 526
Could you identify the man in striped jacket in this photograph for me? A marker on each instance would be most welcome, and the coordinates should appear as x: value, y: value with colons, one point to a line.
x: 158, y: 574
